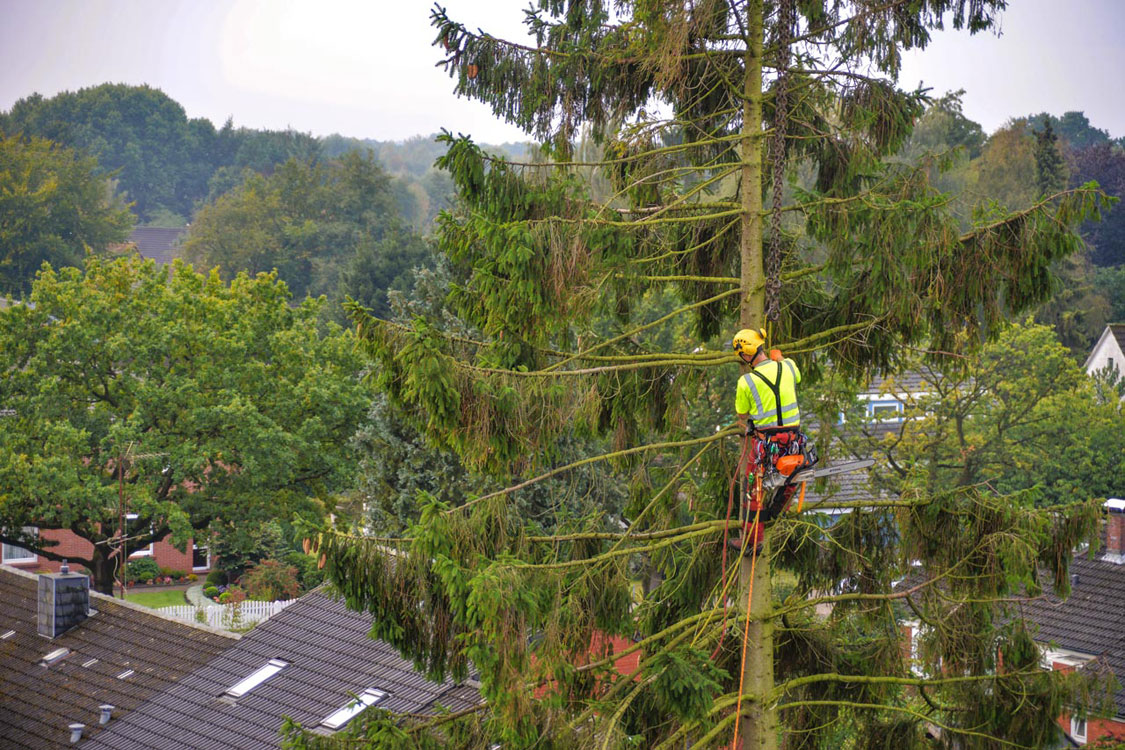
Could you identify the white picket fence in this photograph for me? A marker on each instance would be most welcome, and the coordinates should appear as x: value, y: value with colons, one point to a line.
x: 227, y: 616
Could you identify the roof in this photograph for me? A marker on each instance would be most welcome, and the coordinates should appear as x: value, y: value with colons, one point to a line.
x: 37, y: 702
x: 330, y: 657
x: 1089, y: 621
x: 1118, y: 331
x: 158, y: 243
x: 911, y: 381
x: 842, y: 488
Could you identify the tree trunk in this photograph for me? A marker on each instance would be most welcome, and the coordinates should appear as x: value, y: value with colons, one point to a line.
x: 103, y: 570
x: 759, y: 730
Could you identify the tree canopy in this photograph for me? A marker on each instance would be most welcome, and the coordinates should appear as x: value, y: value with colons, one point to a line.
x: 53, y: 207
x: 327, y: 228
x: 206, y: 401
x: 748, y: 150
x: 163, y: 159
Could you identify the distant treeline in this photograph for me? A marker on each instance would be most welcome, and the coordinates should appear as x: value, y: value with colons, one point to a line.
x: 168, y: 166
x: 344, y: 216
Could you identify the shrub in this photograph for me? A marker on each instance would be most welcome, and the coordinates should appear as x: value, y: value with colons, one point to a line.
x: 217, y: 578
x: 192, y: 577
x: 143, y: 569
x: 210, y: 591
x: 270, y: 580
x: 233, y: 595
x: 309, y: 575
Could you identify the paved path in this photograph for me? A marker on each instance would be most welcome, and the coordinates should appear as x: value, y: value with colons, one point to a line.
x: 197, y: 599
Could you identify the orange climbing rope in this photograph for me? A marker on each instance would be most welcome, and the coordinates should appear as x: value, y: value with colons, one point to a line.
x: 749, y: 598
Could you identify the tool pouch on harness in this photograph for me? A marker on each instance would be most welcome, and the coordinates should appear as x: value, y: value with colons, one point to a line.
x: 780, y: 451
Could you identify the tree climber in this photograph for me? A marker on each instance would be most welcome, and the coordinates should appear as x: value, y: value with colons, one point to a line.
x: 766, y: 408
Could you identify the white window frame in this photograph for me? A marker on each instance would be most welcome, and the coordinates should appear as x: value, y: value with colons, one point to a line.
x: 1078, y: 730
x: 256, y: 678
x: 339, y: 719
x: 147, y: 551
x: 194, y: 548
x: 881, y: 403
x: 27, y: 558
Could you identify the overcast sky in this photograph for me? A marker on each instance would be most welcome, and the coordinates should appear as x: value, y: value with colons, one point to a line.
x: 365, y: 68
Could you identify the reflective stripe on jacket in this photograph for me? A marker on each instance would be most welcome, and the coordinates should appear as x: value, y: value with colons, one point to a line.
x: 755, y: 395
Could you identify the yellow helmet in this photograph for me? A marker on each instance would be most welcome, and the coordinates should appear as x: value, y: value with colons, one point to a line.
x: 748, y: 341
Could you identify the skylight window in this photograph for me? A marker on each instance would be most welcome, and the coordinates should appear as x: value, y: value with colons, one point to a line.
x: 126, y: 674
x: 354, y: 707
x: 54, y: 656
x: 89, y: 662
x: 272, y: 667
x: 7, y: 635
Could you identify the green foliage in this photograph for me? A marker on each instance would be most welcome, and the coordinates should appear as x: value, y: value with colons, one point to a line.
x: 224, y: 402
x: 237, y: 545
x: 570, y: 318
x: 1050, y: 171
x: 271, y: 581
x: 216, y: 578
x: 143, y: 569
x: 996, y: 421
x: 164, y: 160
x: 211, y: 591
x: 323, y: 227
x: 53, y: 208
x: 309, y: 576
x: 233, y: 595
x: 685, y: 682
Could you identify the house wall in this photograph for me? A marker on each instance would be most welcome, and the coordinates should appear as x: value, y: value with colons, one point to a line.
x: 1106, y: 349
x: 75, y: 547
x: 1097, y: 729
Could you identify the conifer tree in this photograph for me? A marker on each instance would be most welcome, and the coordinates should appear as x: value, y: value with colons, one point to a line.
x: 747, y: 144
x: 1050, y: 171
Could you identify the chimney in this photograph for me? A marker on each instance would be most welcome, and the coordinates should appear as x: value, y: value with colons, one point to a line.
x: 1115, y: 531
x: 107, y: 713
x: 64, y: 601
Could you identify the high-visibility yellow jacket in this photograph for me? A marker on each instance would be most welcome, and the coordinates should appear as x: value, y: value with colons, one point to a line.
x: 758, y: 391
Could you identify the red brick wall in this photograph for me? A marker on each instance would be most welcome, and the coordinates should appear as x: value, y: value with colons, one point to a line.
x: 1115, y: 533
x: 1097, y: 729
x: 75, y: 547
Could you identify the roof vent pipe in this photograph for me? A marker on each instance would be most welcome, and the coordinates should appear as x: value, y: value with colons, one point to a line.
x: 76, y: 732
x: 107, y: 713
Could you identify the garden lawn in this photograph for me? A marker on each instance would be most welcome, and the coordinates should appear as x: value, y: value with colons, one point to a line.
x: 157, y: 599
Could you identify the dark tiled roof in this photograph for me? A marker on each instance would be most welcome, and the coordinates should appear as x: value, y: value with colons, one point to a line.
x: 852, y: 487
x: 1118, y: 331
x: 37, y: 703
x: 157, y: 243
x: 1090, y: 621
x: 330, y: 656
x: 902, y: 382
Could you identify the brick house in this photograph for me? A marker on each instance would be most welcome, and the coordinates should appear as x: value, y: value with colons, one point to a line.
x: 73, y: 662
x: 193, y: 559
x: 1085, y: 631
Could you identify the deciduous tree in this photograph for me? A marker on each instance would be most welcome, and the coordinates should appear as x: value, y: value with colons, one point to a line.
x: 195, y: 399
x: 53, y: 207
